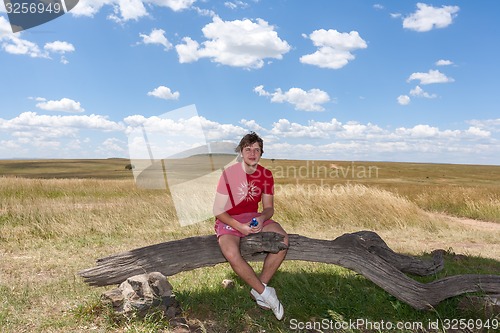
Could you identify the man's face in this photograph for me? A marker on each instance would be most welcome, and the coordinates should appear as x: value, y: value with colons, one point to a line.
x: 251, y: 154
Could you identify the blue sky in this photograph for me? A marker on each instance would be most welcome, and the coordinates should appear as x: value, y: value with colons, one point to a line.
x: 335, y: 80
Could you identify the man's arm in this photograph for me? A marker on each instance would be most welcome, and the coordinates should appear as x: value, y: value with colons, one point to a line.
x: 220, y: 213
x: 267, y: 208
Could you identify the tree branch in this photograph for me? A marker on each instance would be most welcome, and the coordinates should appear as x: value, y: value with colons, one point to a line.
x: 363, y: 252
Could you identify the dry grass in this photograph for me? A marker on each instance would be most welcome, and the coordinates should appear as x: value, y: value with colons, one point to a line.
x: 348, y: 206
x: 470, y: 191
x: 479, y: 202
x: 52, y: 228
x: 328, y: 212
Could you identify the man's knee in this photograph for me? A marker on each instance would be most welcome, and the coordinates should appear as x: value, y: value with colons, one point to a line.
x: 285, y: 240
x: 230, y: 250
x: 277, y: 228
x: 232, y: 255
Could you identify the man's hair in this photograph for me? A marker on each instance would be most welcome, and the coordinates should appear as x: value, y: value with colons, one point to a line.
x: 249, y: 140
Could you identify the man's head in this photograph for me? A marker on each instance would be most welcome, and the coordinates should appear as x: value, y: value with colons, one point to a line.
x: 251, y: 148
x: 248, y: 140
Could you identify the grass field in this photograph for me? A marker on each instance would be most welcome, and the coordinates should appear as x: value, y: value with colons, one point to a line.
x: 57, y: 217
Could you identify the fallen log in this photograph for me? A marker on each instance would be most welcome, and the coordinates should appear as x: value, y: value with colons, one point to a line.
x: 363, y: 252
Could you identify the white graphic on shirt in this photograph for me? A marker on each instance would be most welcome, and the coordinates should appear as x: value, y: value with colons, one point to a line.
x: 247, y: 191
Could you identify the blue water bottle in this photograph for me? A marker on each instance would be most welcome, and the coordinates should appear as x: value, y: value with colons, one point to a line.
x: 254, y: 222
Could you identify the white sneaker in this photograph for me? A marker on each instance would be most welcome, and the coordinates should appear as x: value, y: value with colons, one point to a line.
x: 269, y: 296
x: 260, y: 301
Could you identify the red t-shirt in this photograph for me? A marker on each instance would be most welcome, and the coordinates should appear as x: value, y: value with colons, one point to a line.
x: 245, y: 190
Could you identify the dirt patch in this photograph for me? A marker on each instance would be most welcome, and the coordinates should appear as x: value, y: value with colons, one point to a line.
x: 476, y: 224
x: 464, y: 236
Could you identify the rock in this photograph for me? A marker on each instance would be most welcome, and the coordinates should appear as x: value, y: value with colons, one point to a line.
x: 141, y: 293
x: 159, y: 284
x: 226, y: 284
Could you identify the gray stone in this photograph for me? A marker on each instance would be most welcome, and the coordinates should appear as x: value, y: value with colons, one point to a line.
x: 227, y: 284
x: 141, y: 293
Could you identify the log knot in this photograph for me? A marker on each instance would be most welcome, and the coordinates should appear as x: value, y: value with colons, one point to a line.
x: 263, y: 242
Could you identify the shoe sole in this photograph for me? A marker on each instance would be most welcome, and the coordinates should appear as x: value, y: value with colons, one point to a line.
x: 280, y: 307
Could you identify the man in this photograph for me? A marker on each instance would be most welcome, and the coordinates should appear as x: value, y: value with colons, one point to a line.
x: 241, y: 188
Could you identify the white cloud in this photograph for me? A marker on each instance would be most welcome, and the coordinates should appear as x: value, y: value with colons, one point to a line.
x: 236, y: 4
x: 326, y: 127
x: 59, y: 47
x: 475, y: 131
x: 90, y: 7
x: 175, y: 5
x: 157, y: 36
x: 164, y: 93
x: 14, y: 44
x: 331, y: 130
x: 428, y: 132
x: 354, y: 140
x: 64, y: 105
x: 125, y: 10
x: 59, y: 136
x: 251, y: 125
x: 418, y: 131
x: 302, y: 100
x: 188, y: 52
x: 30, y: 122
x: 286, y: 129
x: 426, y: 17
x: 156, y: 124
x: 18, y: 46
x: 204, y: 12
x: 217, y: 131
x: 353, y: 130
x: 404, y: 99
x: 378, y: 6
x: 185, y: 128
x: 238, y: 43
x: 334, y: 48
x: 419, y: 92
x: 30, y: 135
x: 488, y: 124
x: 5, y: 28
x: 443, y: 62
x: 112, y: 145
x: 433, y: 76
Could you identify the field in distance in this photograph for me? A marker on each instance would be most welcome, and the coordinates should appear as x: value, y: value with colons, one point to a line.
x: 112, y: 168
x: 388, y: 174
x: 460, y: 190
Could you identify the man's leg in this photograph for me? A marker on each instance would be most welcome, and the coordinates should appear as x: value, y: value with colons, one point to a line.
x: 230, y: 247
x: 273, y: 260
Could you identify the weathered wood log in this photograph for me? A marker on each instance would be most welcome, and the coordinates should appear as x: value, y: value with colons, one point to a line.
x: 363, y: 252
